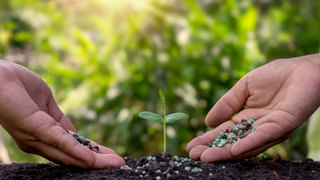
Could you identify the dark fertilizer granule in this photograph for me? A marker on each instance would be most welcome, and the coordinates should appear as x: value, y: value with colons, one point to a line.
x: 82, y: 140
x: 165, y: 166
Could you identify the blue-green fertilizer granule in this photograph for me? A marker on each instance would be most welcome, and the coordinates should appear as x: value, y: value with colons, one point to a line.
x: 162, y: 170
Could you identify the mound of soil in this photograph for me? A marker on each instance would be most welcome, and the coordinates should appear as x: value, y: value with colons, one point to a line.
x: 165, y: 166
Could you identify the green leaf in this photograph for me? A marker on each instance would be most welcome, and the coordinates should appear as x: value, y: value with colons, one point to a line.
x: 151, y: 116
x: 161, y: 96
x: 176, y: 116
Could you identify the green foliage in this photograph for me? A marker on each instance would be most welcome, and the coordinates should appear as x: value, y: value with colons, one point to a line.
x: 151, y: 116
x: 175, y: 117
x: 163, y: 99
x: 105, y: 60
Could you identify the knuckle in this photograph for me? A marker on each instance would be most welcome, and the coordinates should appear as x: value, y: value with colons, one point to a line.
x: 67, y: 161
x: 89, y: 161
x: 6, y: 74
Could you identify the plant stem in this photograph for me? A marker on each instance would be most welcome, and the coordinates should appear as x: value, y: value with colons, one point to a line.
x: 164, y: 135
x: 164, y: 126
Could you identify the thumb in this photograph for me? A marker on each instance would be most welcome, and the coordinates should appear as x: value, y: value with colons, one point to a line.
x: 228, y: 104
x: 57, y: 145
x: 56, y: 113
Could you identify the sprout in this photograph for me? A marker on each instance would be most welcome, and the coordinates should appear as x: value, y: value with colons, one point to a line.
x: 170, y: 118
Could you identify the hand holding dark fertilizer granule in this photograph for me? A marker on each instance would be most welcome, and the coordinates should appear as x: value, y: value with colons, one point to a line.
x: 31, y: 116
x: 280, y: 96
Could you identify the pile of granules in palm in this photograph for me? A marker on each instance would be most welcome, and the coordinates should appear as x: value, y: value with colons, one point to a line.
x: 234, y: 134
x: 82, y: 140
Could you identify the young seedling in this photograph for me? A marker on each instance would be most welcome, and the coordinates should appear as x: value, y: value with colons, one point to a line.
x: 170, y: 118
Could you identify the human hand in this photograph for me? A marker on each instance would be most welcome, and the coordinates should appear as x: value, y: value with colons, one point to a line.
x: 281, y: 95
x: 30, y: 115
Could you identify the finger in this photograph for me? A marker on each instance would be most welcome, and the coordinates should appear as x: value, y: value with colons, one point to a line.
x: 49, y: 132
x: 57, y: 137
x: 259, y: 150
x: 208, y: 136
x: 108, y: 160
x: 221, y: 154
x: 56, y: 113
x: 106, y: 155
x: 102, y: 149
x: 196, y: 152
x: 229, y: 104
x: 59, y: 156
x: 55, y: 155
x: 216, y: 154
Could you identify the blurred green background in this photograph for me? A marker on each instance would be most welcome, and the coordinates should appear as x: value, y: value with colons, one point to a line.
x: 105, y: 61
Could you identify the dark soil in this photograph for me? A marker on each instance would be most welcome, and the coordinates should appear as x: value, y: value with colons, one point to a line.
x: 165, y: 166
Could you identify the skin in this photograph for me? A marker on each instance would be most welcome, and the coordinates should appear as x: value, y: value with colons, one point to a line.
x: 281, y: 95
x: 30, y: 115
